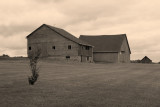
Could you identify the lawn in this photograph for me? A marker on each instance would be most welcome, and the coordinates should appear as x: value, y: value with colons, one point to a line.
x: 80, y: 85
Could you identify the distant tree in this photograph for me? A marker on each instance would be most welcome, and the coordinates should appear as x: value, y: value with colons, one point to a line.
x: 33, y: 63
x: 136, y: 61
x: 5, y: 55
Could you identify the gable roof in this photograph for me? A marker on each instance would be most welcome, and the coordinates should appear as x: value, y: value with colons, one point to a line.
x: 63, y: 33
x: 105, y: 43
x: 146, y: 58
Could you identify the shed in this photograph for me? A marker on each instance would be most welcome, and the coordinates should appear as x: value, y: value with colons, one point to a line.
x: 146, y: 60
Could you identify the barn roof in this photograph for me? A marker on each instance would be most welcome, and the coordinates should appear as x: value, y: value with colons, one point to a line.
x: 63, y: 33
x: 105, y: 43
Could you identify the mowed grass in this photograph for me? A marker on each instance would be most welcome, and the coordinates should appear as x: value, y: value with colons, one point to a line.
x: 80, y: 85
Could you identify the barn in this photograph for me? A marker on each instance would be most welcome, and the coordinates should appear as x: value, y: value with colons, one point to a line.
x: 58, y: 44
x: 109, y: 48
x: 146, y: 60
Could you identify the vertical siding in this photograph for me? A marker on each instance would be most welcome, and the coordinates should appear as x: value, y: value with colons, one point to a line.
x: 105, y: 57
x: 124, y: 54
x: 82, y: 51
x: 45, y: 38
x: 86, y: 55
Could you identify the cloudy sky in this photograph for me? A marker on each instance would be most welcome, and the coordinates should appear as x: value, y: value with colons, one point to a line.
x: 139, y: 19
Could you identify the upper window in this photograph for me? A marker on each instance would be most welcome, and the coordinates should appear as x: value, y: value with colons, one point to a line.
x: 29, y: 48
x: 53, y: 47
x: 69, y: 47
x: 122, y: 52
x: 87, y: 47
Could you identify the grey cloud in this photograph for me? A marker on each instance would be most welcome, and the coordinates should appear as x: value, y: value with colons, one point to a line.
x: 14, y: 29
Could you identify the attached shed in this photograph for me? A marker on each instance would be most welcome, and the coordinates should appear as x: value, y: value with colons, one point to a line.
x: 109, y: 48
x: 58, y: 44
x: 146, y: 60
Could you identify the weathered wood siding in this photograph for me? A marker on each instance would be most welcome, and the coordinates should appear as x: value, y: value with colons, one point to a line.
x: 45, y: 39
x: 124, y: 54
x: 105, y: 57
x: 86, y: 54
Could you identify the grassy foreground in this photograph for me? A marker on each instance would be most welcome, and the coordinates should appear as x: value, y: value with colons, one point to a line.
x: 80, y: 85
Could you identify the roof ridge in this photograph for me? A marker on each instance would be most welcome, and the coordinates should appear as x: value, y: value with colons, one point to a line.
x: 70, y: 36
x: 105, y: 35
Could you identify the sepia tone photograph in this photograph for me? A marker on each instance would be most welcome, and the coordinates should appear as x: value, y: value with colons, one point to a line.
x: 79, y: 53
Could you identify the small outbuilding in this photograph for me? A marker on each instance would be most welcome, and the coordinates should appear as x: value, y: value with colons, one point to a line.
x: 109, y: 48
x: 146, y: 60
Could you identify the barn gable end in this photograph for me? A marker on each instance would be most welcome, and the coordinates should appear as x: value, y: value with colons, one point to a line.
x: 124, y: 53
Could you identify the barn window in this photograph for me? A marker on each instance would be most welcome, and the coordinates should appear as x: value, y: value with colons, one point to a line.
x: 67, y: 57
x: 53, y: 47
x: 122, y: 52
x: 29, y: 48
x: 87, y: 47
x: 69, y: 47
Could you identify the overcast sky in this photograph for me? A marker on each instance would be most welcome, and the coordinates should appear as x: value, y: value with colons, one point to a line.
x: 139, y: 19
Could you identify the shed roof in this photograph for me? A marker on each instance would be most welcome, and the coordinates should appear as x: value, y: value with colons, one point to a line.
x: 105, y: 43
x: 146, y: 58
x: 63, y: 33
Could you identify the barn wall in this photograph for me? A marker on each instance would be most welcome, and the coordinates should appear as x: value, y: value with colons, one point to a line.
x: 45, y: 39
x: 62, y: 58
x: 86, y: 55
x: 84, y: 52
x: 105, y: 57
x: 124, y: 54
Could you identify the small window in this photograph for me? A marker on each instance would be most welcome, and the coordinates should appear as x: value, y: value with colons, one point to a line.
x: 29, y: 48
x: 53, y: 47
x: 87, y: 47
x: 67, y: 57
x: 122, y: 52
x: 69, y: 47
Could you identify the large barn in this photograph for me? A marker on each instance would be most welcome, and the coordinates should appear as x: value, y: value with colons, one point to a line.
x: 109, y: 48
x: 58, y: 44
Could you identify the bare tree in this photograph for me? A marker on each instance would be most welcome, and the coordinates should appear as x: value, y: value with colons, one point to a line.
x: 33, y: 63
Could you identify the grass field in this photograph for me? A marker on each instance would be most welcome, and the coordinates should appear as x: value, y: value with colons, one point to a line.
x: 80, y: 85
